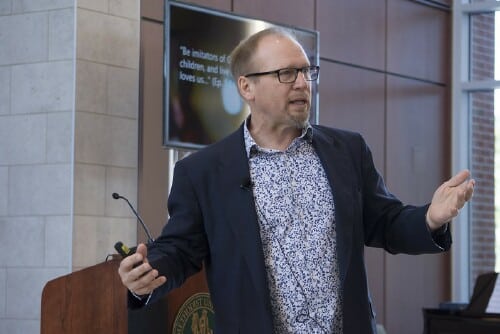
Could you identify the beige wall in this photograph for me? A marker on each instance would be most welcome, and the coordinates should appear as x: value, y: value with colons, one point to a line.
x: 36, y: 108
x: 385, y: 73
x: 106, y: 127
x: 69, y: 133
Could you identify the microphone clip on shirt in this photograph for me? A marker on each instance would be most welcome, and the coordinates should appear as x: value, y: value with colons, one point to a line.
x: 246, y: 184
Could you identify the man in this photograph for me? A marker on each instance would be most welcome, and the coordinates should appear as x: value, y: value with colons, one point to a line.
x: 280, y: 211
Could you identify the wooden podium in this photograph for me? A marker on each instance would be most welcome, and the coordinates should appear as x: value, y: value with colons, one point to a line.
x: 94, y: 301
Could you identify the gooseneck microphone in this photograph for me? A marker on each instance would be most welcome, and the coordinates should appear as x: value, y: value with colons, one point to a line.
x: 123, y: 250
x: 117, y: 196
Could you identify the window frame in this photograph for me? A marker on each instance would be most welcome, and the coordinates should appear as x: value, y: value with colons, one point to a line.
x: 461, y: 87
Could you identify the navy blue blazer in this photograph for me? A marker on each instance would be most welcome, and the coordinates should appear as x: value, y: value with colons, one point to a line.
x: 213, y: 221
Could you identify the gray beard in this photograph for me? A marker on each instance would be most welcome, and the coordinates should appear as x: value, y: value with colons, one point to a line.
x: 301, y: 123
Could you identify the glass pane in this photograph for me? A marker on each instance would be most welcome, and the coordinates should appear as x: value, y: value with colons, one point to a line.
x: 484, y: 153
x: 482, y: 46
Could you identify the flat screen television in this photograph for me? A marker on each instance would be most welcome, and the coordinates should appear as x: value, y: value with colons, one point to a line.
x: 201, y: 101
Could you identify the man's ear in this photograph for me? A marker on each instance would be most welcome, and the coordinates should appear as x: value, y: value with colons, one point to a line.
x: 245, y: 87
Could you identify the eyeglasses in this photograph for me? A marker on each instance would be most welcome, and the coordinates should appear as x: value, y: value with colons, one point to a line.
x: 289, y: 75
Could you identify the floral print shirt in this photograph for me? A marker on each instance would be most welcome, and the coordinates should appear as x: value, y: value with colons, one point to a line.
x: 296, y: 213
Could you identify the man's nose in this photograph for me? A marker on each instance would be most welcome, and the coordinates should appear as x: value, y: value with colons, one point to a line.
x: 301, y: 80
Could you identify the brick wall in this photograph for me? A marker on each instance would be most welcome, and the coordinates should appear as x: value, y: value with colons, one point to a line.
x: 482, y: 228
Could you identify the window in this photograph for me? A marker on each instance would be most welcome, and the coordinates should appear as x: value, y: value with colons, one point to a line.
x: 475, y: 139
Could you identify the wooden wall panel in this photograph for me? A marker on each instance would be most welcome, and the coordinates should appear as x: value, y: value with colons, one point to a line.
x: 153, y: 158
x: 298, y: 13
x: 152, y: 9
x: 418, y: 41
x: 415, y: 142
x: 416, y: 161
x: 375, y: 269
x: 352, y: 31
x: 224, y: 5
x: 413, y: 283
x: 446, y: 3
x: 354, y: 99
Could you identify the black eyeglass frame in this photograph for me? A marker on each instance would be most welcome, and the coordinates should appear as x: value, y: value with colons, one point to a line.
x: 312, y: 70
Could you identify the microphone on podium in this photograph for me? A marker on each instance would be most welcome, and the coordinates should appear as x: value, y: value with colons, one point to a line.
x: 123, y: 250
x: 119, y: 246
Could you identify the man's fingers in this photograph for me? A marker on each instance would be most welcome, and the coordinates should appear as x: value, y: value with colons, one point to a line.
x: 449, y: 198
x: 143, y: 250
x: 138, y: 277
x: 140, y: 271
x: 132, y: 268
x: 147, y: 283
x: 465, y: 191
x: 469, y: 191
x: 137, y: 274
x: 458, y: 179
x: 154, y: 285
x: 128, y: 263
x: 132, y: 261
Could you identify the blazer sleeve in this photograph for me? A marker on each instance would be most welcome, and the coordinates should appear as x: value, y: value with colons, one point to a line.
x: 182, y: 246
x: 390, y: 224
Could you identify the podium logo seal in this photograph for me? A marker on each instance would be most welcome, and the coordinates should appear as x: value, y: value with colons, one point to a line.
x: 196, y: 316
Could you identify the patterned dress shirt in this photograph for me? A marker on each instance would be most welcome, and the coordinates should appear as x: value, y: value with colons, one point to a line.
x: 296, y: 213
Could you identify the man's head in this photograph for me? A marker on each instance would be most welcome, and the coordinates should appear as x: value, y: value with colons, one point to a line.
x: 242, y: 55
x: 273, y: 76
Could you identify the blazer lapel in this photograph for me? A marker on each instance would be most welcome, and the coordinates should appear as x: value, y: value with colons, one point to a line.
x: 234, y: 172
x: 236, y: 191
x: 338, y: 168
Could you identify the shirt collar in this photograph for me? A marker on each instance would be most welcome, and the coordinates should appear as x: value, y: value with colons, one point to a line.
x: 252, y: 148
